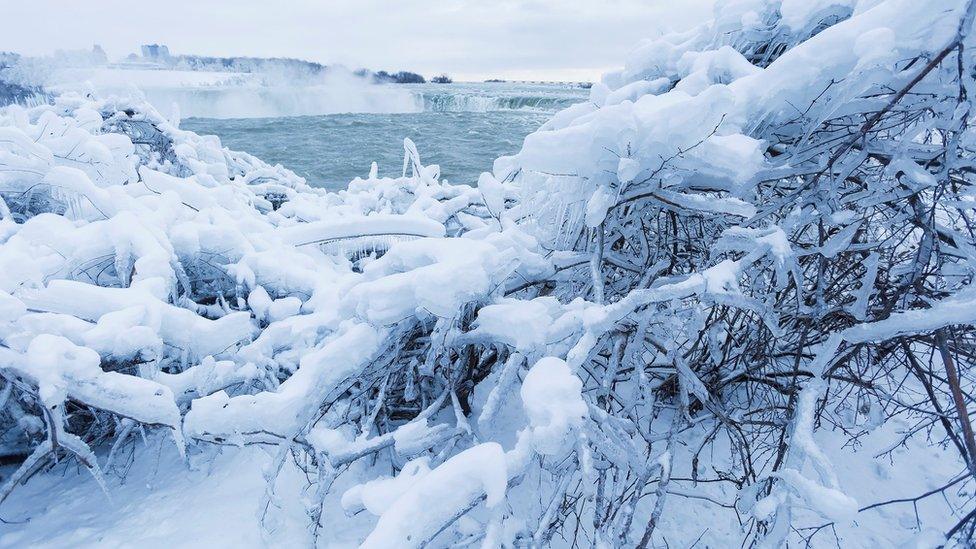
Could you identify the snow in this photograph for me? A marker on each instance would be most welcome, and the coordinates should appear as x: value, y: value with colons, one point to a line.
x: 553, y: 403
x: 61, y: 369
x: 959, y: 309
x: 439, y: 495
x: 11, y: 308
x: 415, y: 437
x: 286, y: 411
x: 176, y: 326
x: 675, y: 279
x: 829, y: 502
x: 377, y: 496
x: 599, y: 204
x: 522, y: 324
x: 161, y: 505
x: 433, y: 276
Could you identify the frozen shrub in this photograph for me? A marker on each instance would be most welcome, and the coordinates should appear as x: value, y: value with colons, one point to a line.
x: 754, y: 230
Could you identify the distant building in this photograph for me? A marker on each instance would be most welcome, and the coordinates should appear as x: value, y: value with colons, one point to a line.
x: 155, y: 51
x: 98, y: 55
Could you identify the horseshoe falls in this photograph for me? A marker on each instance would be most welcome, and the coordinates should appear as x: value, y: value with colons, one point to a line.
x: 460, y: 127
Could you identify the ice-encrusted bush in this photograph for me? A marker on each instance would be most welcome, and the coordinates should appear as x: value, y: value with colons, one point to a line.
x: 158, y: 250
x: 754, y: 230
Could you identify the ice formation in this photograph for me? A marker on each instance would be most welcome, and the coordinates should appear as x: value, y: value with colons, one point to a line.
x: 636, y: 329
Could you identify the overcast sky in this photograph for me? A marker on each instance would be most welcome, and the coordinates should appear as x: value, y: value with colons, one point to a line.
x: 470, y: 39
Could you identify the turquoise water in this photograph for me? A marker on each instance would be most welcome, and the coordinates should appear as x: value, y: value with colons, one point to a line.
x: 462, y: 128
x: 329, y: 151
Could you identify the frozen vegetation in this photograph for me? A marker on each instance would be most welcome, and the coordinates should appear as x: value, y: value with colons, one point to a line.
x: 728, y: 301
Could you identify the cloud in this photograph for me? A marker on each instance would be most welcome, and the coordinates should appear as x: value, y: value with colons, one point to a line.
x: 468, y: 38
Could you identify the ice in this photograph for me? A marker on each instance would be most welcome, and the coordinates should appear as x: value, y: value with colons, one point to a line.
x: 748, y: 254
x: 61, y: 369
x: 598, y: 205
x: 798, y: 14
x: 286, y: 411
x: 355, y: 227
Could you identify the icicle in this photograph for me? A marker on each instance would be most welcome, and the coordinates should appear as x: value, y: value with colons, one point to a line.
x: 860, y: 307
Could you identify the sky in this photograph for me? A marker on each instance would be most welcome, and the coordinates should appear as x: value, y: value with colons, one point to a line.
x: 468, y: 39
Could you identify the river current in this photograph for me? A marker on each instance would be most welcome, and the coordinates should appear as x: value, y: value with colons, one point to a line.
x: 460, y: 127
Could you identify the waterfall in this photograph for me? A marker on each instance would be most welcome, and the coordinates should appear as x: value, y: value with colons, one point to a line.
x: 202, y: 94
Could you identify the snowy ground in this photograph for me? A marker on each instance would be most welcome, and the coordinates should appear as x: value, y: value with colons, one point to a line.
x: 159, y: 502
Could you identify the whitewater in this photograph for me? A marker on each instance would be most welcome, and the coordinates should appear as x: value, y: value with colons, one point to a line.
x: 461, y: 127
x: 329, y: 128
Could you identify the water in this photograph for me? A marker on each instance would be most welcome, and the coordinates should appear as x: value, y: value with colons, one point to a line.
x: 331, y: 150
x: 461, y: 127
